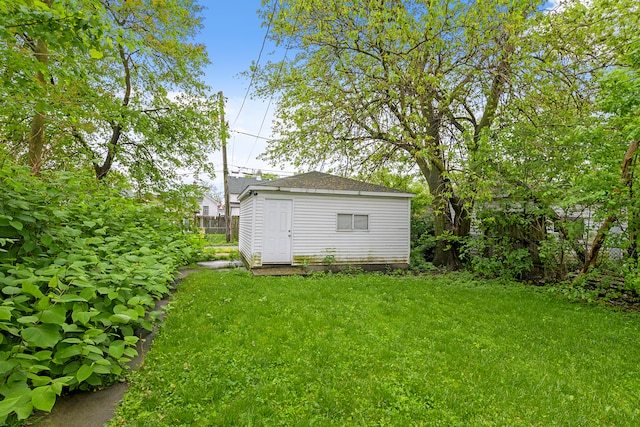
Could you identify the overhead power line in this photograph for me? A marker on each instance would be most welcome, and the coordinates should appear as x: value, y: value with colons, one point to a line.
x: 250, y: 134
x: 264, y: 42
x: 280, y: 71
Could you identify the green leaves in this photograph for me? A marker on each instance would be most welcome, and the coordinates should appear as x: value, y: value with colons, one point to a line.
x: 5, y: 313
x: 42, y: 335
x: 28, y: 287
x: 116, y: 349
x: 96, y: 54
x: 57, y: 315
x: 84, y: 372
x: 70, y: 306
x: 104, y: 74
x: 43, y: 398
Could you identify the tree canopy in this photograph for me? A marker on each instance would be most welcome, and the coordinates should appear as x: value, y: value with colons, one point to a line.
x: 483, y: 98
x: 104, y: 84
x: 399, y: 82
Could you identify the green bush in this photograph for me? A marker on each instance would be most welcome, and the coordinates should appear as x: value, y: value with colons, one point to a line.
x: 418, y: 264
x: 80, y: 268
x: 496, y: 257
x: 423, y: 239
x: 506, y: 245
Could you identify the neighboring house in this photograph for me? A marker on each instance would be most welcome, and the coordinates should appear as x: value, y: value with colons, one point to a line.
x: 236, y: 185
x: 208, y: 207
x: 317, y: 220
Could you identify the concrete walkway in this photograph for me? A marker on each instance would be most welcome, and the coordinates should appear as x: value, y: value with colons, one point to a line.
x: 96, y: 408
x: 220, y: 264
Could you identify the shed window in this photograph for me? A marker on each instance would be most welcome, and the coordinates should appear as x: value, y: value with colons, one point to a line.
x: 205, y: 210
x: 361, y: 222
x: 353, y: 222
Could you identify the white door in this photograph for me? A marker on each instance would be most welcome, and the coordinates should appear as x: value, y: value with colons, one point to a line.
x: 277, y: 231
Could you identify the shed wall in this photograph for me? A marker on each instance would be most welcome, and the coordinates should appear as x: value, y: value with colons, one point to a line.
x: 247, y: 230
x: 315, y: 238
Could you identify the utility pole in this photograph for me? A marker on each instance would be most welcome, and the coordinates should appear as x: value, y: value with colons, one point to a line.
x: 225, y: 170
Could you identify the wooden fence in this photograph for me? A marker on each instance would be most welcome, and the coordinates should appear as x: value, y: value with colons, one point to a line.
x: 217, y: 224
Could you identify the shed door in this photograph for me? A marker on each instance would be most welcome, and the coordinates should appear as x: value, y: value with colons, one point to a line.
x: 277, y: 231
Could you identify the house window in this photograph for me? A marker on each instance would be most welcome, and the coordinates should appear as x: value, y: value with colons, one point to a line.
x: 353, y: 222
x: 205, y: 210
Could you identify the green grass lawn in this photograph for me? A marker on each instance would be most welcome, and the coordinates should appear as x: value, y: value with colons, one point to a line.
x: 219, y: 240
x: 384, y: 350
x: 220, y: 253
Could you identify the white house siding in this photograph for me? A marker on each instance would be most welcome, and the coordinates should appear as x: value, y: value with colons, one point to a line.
x: 317, y: 241
x: 250, y: 233
x: 245, y: 241
x: 258, y: 221
x: 211, y: 206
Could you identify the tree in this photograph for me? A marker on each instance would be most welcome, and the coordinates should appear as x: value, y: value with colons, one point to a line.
x: 541, y: 158
x: 30, y: 92
x: 121, y: 87
x: 392, y: 82
x: 618, y: 26
x: 568, y: 140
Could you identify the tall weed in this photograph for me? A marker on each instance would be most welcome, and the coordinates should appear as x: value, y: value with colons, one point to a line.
x: 80, y: 267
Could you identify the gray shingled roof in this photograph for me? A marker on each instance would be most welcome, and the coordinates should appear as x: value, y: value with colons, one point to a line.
x: 237, y: 183
x: 324, y: 181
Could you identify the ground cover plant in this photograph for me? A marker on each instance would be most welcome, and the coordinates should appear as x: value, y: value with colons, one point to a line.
x: 371, y: 349
x: 80, y: 267
x: 214, y: 247
x: 219, y: 240
x: 217, y: 254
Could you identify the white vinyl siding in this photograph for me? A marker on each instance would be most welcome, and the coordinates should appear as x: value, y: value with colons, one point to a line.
x: 380, y: 230
x: 315, y: 233
x: 247, y: 227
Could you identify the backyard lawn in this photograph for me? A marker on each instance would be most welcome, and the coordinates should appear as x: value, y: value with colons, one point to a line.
x: 384, y: 350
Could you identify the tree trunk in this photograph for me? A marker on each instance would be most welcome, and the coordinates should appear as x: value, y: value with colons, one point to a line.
x: 102, y: 170
x: 598, y: 241
x: 36, y: 143
x: 116, y: 128
x: 451, y: 220
x: 37, y: 132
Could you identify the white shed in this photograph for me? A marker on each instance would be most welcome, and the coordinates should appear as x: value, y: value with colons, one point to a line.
x: 319, y: 220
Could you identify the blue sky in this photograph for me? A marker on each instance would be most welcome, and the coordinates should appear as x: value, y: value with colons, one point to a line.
x: 233, y: 36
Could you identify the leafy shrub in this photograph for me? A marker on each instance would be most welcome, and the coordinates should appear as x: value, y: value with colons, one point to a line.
x: 632, y: 278
x: 423, y: 245
x: 507, y: 246
x: 496, y: 257
x: 80, y: 268
x: 418, y: 264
